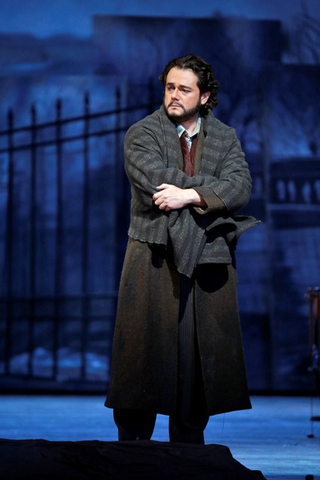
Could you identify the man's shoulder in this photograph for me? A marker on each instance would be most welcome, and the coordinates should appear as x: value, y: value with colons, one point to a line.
x: 150, y: 120
x: 156, y: 125
x: 213, y: 124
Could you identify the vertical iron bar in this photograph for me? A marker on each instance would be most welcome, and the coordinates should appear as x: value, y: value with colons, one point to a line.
x: 120, y: 212
x: 32, y: 243
x: 119, y: 193
x: 317, y: 326
x: 122, y: 196
x: 313, y: 296
x: 85, y: 234
x: 8, y: 247
x: 58, y: 240
x: 311, y: 324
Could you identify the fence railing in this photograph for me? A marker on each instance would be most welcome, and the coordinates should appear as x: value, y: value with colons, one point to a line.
x: 64, y: 203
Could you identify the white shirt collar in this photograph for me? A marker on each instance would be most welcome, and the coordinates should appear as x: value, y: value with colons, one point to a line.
x: 181, y: 129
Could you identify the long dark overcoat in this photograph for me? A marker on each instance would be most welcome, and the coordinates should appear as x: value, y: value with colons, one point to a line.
x: 144, y: 362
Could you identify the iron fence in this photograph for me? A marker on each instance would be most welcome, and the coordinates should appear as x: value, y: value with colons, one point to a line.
x: 64, y: 205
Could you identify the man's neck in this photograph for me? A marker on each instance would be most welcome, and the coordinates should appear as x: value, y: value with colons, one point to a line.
x: 190, y: 125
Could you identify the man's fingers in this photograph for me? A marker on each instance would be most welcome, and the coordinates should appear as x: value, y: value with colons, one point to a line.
x: 161, y: 187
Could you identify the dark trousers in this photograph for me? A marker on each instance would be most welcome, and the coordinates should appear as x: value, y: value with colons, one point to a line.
x: 188, y: 422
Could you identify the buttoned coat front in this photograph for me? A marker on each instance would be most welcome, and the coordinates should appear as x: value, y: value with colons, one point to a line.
x: 202, y: 245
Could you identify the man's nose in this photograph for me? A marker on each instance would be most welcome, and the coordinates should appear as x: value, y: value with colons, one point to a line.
x: 175, y: 93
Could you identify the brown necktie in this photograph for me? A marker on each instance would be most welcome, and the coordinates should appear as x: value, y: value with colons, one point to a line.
x: 188, y: 155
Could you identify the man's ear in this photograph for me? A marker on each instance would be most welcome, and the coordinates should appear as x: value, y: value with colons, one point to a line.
x: 205, y: 97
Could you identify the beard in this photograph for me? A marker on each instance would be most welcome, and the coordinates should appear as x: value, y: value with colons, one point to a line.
x: 185, y: 115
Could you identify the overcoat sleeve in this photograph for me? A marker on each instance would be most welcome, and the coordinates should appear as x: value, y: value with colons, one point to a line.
x: 231, y: 182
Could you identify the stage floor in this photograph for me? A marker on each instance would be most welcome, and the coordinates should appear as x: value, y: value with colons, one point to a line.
x: 275, y: 437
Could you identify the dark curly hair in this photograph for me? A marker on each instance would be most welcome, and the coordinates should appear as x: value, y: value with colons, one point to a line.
x: 206, y: 79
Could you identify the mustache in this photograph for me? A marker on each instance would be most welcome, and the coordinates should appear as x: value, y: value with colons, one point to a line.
x: 175, y: 103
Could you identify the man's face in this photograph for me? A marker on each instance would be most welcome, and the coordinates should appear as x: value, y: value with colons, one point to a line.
x: 182, y: 98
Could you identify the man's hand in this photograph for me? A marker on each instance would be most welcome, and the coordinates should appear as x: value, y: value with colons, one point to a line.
x: 170, y: 197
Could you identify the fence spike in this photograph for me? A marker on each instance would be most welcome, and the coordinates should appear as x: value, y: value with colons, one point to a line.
x: 58, y: 108
x: 118, y: 97
x: 33, y: 114
x: 86, y: 102
x: 10, y: 117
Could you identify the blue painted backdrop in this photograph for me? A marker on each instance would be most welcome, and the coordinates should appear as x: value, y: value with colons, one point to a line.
x: 268, y: 63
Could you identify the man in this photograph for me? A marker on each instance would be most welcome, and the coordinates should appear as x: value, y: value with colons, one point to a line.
x: 177, y: 347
